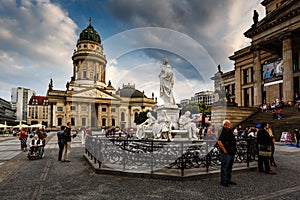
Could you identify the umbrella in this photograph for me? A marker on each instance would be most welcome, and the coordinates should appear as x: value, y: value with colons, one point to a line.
x: 4, y: 126
x: 20, y: 126
x: 37, y: 126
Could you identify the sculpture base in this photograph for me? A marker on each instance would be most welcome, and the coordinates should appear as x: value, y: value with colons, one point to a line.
x: 172, y: 112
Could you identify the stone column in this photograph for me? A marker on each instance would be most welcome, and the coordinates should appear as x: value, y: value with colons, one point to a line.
x: 257, y: 77
x: 51, y: 115
x: 129, y: 117
x: 288, y: 85
x: 238, y: 88
x: 109, y: 121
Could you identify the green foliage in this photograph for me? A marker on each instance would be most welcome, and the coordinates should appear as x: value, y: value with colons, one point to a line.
x: 195, y: 108
x: 140, y: 117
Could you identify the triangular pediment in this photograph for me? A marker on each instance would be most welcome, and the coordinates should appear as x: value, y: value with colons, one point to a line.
x: 93, y: 93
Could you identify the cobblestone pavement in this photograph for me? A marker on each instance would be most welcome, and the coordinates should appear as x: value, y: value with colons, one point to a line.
x: 50, y: 179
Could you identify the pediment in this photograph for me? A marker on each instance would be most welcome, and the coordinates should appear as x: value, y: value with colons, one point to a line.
x: 93, y: 93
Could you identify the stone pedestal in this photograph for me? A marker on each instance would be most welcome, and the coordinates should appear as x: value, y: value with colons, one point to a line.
x: 229, y: 111
x: 172, y: 112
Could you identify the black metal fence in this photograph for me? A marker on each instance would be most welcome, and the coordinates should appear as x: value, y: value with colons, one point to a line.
x: 151, y: 155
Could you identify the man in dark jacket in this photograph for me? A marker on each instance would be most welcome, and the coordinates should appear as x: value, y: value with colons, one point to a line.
x: 60, y: 141
x: 227, y: 144
x: 264, y: 142
x: 67, y: 143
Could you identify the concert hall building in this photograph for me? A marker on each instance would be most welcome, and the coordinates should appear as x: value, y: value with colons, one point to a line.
x: 268, y: 69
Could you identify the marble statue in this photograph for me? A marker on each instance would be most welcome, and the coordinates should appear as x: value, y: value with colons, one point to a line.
x: 186, y: 123
x: 163, y: 128
x: 148, y: 124
x: 166, y: 78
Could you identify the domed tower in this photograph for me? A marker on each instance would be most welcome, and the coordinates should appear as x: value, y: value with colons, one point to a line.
x: 89, y: 63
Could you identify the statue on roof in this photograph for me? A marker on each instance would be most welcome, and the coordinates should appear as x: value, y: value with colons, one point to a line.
x: 219, y: 68
x: 255, y: 17
x: 51, y: 84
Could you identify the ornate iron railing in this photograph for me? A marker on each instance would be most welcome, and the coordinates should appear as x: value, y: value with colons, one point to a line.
x: 151, y: 155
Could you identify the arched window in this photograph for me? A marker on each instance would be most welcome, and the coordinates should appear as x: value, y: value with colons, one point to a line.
x: 122, y: 116
x: 103, y: 122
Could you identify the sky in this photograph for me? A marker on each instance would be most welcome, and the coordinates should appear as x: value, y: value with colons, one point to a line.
x: 38, y: 37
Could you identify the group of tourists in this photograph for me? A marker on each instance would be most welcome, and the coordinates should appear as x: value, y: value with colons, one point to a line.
x: 33, y: 134
x: 227, y: 142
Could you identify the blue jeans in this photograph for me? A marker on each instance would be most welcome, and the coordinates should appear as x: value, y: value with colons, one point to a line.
x: 60, y: 152
x: 226, y: 167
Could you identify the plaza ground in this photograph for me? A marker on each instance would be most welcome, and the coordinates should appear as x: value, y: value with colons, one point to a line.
x: 50, y: 179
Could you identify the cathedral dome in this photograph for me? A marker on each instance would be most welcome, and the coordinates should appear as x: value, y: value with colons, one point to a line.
x: 90, y: 34
x: 129, y: 91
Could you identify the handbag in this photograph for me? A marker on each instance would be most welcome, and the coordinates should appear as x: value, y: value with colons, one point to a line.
x: 264, y: 150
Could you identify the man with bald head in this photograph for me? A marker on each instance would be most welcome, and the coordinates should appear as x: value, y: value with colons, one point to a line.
x: 227, y: 144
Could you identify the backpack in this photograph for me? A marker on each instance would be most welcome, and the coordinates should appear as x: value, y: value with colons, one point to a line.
x: 64, y: 136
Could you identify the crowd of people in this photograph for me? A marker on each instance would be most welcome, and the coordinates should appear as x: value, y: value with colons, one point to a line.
x: 226, y: 138
x: 274, y: 108
x: 36, y: 137
x: 227, y: 141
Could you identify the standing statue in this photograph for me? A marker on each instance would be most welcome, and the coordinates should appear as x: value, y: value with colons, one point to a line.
x: 50, y: 84
x: 166, y: 77
x: 255, y: 17
x: 148, y: 124
x: 219, y: 69
x: 186, y: 123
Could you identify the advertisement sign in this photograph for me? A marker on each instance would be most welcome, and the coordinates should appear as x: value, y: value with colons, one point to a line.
x: 272, y: 71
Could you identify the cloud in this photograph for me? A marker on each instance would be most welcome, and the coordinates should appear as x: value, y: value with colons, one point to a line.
x: 37, y: 39
x: 216, y: 25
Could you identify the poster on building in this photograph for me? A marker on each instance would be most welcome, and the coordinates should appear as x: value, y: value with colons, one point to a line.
x: 272, y: 71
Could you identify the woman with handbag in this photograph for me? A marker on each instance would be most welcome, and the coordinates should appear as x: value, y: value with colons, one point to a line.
x: 264, y: 143
x: 272, y: 160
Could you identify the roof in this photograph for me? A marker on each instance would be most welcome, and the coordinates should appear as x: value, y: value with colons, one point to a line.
x: 129, y: 91
x: 90, y: 34
x: 38, y: 100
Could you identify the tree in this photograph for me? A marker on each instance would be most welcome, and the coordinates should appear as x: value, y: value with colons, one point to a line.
x: 141, y: 117
x: 192, y: 107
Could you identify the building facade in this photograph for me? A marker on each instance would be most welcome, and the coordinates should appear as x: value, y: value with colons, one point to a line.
x: 19, y: 99
x: 206, y: 97
x: 88, y: 100
x: 7, y: 113
x: 38, y: 110
x: 268, y: 69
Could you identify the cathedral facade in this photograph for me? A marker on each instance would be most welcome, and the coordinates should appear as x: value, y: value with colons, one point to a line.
x: 88, y: 100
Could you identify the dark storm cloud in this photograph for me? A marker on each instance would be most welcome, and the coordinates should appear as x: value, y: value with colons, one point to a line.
x: 199, y: 19
x: 169, y: 14
x: 214, y: 24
